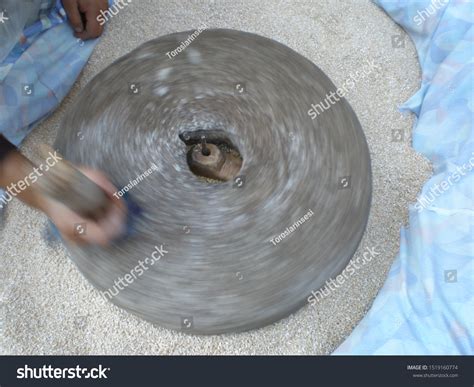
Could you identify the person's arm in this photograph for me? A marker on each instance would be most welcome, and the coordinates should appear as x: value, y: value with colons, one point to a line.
x: 14, y: 168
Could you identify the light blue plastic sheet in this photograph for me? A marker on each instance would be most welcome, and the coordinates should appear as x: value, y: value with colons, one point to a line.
x: 426, y: 306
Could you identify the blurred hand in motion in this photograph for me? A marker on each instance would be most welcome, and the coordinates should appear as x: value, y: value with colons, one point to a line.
x: 77, y: 229
x: 82, y: 16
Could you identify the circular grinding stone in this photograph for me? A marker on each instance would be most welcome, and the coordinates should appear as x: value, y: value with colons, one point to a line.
x: 239, y: 254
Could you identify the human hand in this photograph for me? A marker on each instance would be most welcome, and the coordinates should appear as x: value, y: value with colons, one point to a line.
x: 82, y: 16
x: 77, y: 229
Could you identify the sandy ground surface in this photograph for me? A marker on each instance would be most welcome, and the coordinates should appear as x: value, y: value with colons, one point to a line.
x: 47, y: 307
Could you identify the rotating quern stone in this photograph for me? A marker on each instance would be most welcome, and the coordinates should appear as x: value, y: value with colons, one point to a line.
x: 252, y: 205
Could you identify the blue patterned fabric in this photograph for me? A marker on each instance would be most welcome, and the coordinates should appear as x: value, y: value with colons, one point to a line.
x: 426, y: 306
x: 39, y: 71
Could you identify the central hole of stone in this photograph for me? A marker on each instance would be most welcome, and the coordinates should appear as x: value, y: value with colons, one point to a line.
x: 211, y: 154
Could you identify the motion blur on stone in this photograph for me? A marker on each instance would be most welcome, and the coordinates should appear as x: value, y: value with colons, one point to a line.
x: 234, y: 97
